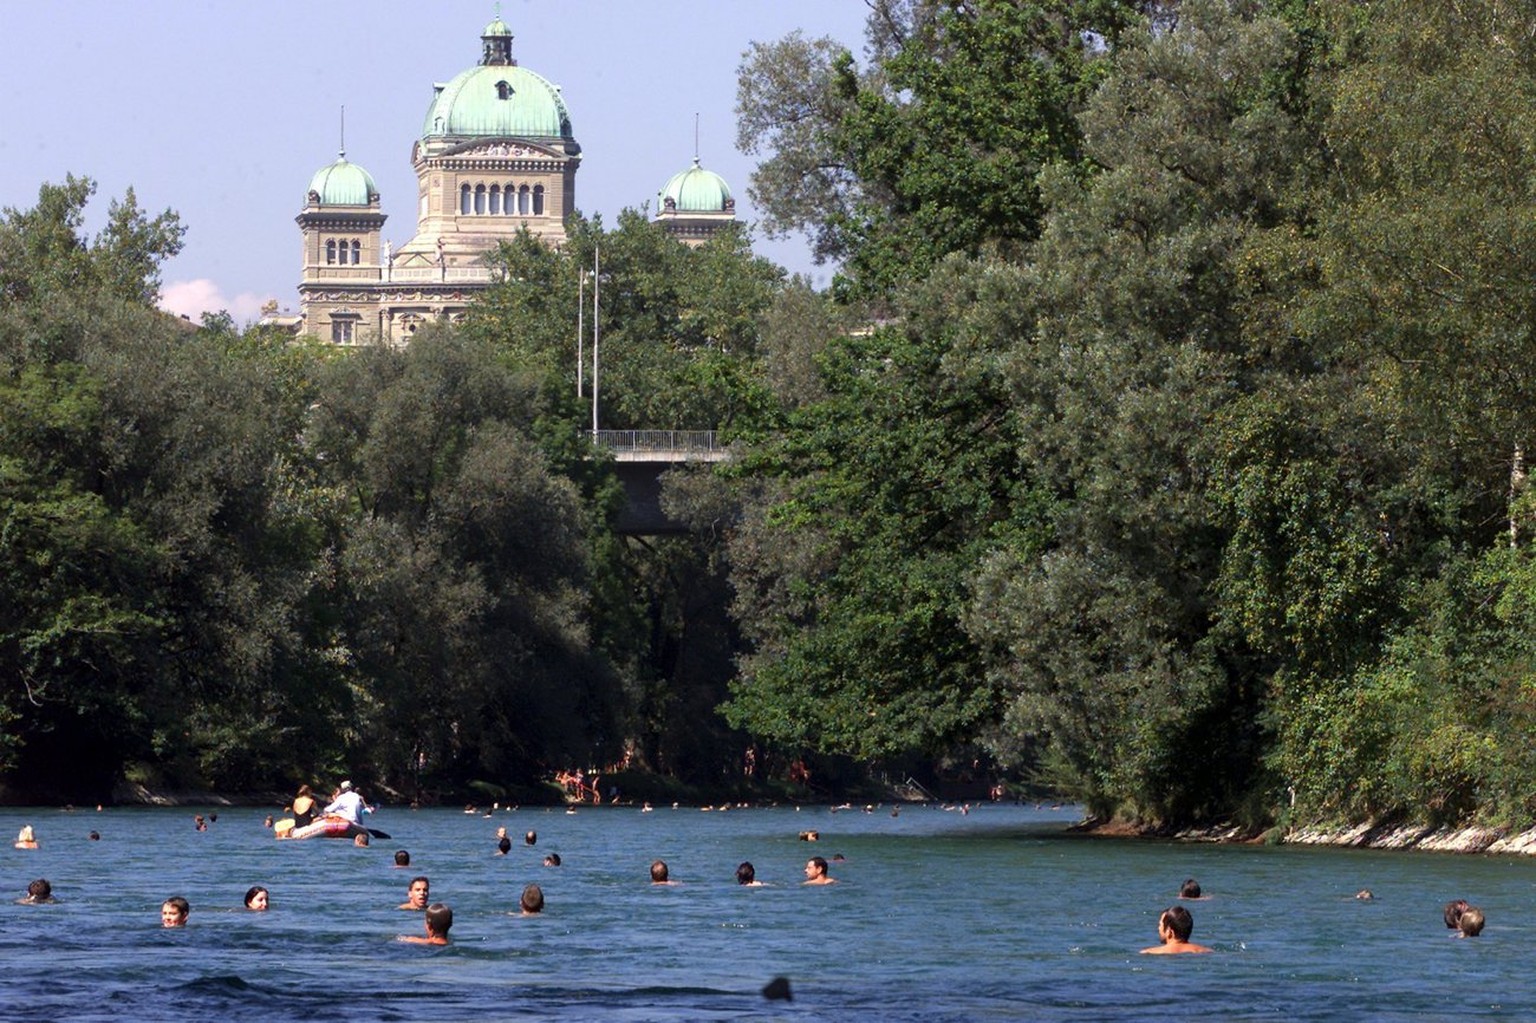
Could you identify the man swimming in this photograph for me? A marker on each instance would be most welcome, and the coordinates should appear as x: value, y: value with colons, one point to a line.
x: 416, y: 895
x: 1174, y: 928
x: 439, y: 919
x: 816, y: 871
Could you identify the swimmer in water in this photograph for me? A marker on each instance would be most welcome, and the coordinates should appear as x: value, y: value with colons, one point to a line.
x: 174, y: 912
x: 416, y: 895
x: 1190, y: 889
x: 1453, y: 911
x: 816, y: 871
x: 1470, y: 923
x: 439, y: 920
x: 746, y: 874
x: 532, y: 901
x: 39, y: 893
x: 258, y: 899
x: 660, y: 874
x: 1174, y: 928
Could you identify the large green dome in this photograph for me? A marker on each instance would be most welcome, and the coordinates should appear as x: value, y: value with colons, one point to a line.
x: 342, y: 184
x: 498, y: 98
x: 696, y: 190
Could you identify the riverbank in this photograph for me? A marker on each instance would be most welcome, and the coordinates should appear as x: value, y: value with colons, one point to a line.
x: 1420, y: 837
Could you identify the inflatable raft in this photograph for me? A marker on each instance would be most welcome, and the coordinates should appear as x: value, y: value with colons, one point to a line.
x: 323, y: 827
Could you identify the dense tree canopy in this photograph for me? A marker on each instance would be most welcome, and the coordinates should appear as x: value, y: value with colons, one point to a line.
x: 1164, y: 442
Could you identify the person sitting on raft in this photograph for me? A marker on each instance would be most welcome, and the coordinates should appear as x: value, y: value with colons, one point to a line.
x: 303, y: 807
x: 348, y: 805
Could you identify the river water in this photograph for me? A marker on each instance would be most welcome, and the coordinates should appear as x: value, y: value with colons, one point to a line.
x: 993, y: 915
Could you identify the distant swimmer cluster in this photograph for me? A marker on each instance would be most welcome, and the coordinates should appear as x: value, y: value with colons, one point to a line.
x: 1176, y: 923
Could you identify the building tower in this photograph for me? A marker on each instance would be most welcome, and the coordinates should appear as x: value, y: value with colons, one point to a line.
x: 694, y: 204
x: 340, y: 224
x: 496, y: 155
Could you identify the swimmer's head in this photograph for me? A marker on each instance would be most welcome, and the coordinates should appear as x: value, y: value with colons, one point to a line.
x: 659, y: 873
x: 532, y: 900
x: 746, y: 873
x: 1178, y: 922
x: 439, y: 919
x: 174, y: 912
x: 1190, y: 889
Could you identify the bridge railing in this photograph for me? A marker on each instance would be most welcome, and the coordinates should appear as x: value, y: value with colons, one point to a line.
x: 661, y: 445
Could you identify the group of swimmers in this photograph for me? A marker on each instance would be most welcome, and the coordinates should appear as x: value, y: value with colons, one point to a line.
x: 1176, y: 923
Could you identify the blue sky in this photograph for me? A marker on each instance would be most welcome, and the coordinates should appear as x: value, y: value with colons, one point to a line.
x: 223, y: 111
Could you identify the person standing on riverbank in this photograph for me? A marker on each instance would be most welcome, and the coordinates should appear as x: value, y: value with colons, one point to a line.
x: 1174, y: 928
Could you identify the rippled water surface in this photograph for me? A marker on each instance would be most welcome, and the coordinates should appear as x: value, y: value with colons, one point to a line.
x: 995, y: 915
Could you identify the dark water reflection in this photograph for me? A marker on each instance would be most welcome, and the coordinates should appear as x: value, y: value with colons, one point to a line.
x: 937, y: 916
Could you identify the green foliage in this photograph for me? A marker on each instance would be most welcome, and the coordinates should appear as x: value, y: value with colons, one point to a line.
x: 850, y: 574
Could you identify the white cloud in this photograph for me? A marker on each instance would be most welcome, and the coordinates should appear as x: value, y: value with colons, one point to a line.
x: 194, y: 298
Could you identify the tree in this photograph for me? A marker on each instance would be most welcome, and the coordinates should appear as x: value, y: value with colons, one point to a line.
x: 934, y: 149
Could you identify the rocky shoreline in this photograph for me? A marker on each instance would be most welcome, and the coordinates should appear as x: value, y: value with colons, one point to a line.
x: 1420, y: 837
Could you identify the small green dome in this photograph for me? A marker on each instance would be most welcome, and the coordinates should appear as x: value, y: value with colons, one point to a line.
x: 497, y: 98
x: 697, y: 190
x: 342, y: 184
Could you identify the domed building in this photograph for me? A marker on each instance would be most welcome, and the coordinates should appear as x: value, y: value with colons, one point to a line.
x: 694, y: 204
x: 496, y: 154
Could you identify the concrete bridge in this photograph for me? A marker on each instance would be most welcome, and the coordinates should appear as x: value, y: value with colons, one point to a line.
x: 640, y: 457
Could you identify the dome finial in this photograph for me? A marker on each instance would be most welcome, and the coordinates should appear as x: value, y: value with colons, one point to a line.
x: 343, y: 152
x: 496, y: 43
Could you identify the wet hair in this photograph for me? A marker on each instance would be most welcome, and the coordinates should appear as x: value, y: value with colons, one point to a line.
x: 423, y: 879
x: 1453, y: 911
x: 1470, y: 923
x: 819, y: 863
x: 658, y: 871
x: 255, y: 890
x: 402, y: 858
x: 361, y: 839
x: 40, y: 890
x: 439, y: 919
x: 552, y: 860
x: 532, y: 900
x: 746, y: 873
x: 182, y: 906
x: 1178, y: 920
x: 530, y: 838
x: 1190, y: 889
x: 504, y: 845
x: 95, y: 836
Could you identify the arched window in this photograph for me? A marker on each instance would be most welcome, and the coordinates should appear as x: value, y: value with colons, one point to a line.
x: 479, y: 198
x: 495, y: 200
x: 357, y: 252
x: 538, y: 200
x: 464, y: 199
x: 523, y: 204
x: 330, y: 251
